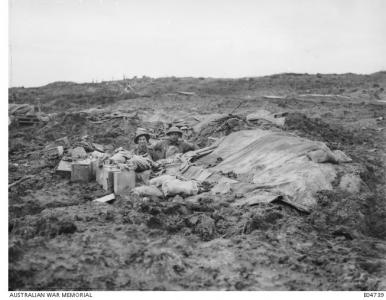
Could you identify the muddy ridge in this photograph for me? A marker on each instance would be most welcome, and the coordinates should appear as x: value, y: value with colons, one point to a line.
x: 60, y: 240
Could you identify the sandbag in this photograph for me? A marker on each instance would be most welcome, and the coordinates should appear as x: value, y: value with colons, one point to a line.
x: 147, y: 191
x: 78, y: 152
x: 158, y: 181
x: 322, y: 156
x: 341, y: 157
x: 118, y: 158
x: 141, y: 163
x: 179, y: 187
x: 350, y: 183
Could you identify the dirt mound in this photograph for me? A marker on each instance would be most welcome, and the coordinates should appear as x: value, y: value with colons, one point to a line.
x: 219, y: 127
x: 341, y: 214
x: 115, y: 131
x: 317, y: 129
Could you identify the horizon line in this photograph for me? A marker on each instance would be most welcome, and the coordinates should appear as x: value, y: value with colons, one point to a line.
x: 194, y: 77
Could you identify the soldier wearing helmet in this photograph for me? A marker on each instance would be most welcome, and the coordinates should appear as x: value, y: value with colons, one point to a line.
x: 143, y: 146
x: 174, y: 144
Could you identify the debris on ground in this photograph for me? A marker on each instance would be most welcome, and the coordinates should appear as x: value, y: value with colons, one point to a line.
x: 262, y: 116
x: 105, y: 199
x: 25, y: 115
x: 265, y: 205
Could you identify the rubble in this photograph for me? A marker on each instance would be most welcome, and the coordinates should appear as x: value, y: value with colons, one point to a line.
x: 25, y: 115
x: 19, y: 181
x: 56, y: 151
x: 237, y: 235
x: 64, y: 141
x: 21, y: 109
x: 104, y: 199
x: 78, y: 152
x: 266, y: 116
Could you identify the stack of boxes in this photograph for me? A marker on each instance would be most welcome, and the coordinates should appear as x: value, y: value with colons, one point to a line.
x: 111, y: 177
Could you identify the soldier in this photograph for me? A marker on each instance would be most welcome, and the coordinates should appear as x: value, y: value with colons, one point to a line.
x: 143, y: 146
x: 174, y: 144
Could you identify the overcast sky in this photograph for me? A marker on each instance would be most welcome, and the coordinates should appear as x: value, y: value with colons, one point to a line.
x: 74, y: 40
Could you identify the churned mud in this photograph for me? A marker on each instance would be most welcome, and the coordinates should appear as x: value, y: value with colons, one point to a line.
x: 60, y: 240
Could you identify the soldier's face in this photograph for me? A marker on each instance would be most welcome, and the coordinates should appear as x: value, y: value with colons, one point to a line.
x: 142, y: 141
x: 174, y: 136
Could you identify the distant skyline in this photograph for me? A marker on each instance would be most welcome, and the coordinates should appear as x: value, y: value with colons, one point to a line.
x: 85, y: 40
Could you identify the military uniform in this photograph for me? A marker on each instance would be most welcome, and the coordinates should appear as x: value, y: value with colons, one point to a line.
x: 168, y: 148
x: 146, y: 152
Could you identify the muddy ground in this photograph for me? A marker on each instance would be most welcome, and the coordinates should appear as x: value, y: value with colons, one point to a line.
x: 60, y: 240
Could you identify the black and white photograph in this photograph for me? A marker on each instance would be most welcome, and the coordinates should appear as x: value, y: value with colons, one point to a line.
x: 196, y: 146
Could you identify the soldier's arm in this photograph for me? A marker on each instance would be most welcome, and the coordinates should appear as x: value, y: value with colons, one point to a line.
x: 189, y: 147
